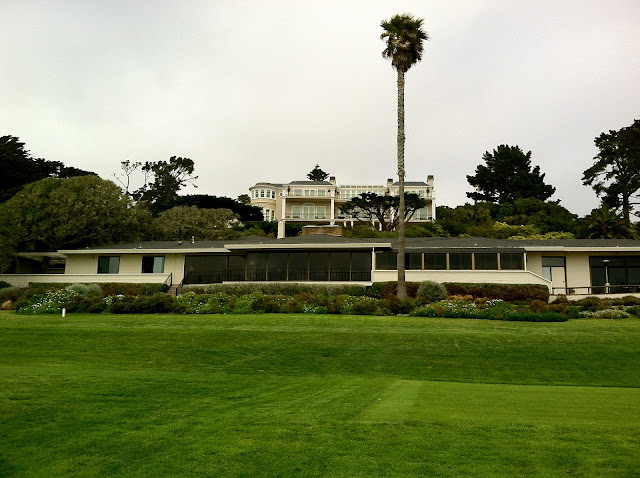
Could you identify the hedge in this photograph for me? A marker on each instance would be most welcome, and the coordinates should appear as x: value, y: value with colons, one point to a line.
x: 278, y: 288
x: 507, y: 292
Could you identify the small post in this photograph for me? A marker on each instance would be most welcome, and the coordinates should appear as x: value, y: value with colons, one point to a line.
x: 64, y: 312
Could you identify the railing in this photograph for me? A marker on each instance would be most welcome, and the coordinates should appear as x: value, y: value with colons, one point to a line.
x: 279, y: 275
x: 597, y: 290
x: 306, y: 216
x: 169, y: 280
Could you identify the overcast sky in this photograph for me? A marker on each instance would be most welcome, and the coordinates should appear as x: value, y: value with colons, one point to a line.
x: 263, y: 90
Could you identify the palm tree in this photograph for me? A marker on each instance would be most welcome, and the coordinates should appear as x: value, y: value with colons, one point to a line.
x: 604, y: 223
x: 404, y: 36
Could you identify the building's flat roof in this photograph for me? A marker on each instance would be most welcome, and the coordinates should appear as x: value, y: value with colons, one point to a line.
x: 414, y: 244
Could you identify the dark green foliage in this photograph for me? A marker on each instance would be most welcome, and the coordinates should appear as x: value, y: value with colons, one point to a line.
x: 111, y: 288
x: 603, y: 223
x: 614, y: 175
x: 245, y: 212
x: 508, y: 176
x: 279, y: 288
x: 430, y: 291
x: 383, y: 290
x: 156, y: 304
x: 507, y: 292
x: 4, y: 284
x: 374, y: 210
x: 593, y: 304
x: 20, y: 168
x: 166, y: 178
x: 539, y: 306
x: 626, y: 300
x: 635, y: 310
x: 317, y: 174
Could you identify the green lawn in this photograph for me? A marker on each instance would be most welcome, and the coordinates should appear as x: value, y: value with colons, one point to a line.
x: 295, y: 395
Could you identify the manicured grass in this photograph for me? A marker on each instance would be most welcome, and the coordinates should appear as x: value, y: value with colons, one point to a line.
x: 274, y: 395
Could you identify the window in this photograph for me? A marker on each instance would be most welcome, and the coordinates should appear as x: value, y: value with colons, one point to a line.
x: 278, y: 266
x: 486, y: 261
x: 619, y: 270
x: 512, y: 261
x: 320, y: 212
x: 340, y: 266
x: 309, y: 211
x: 262, y: 193
x: 297, y: 192
x: 318, y: 266
x: 152, y: 264
x: 413, y: 261
x: 296, y: 212
x: 108, y: 264
x: 460, y: 261
x: 321, y: 192
x: 435, y: 261
x: 273, y: 194
x: 309, y: 192
x: 386, y: 261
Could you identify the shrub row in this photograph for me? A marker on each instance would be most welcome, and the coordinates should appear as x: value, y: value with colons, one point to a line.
x: 506, y: 292
x: 492, y: 310
x: 278, y: 288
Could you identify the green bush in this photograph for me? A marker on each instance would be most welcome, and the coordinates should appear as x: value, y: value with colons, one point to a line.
x: 430, y: 291
x: 606, y: 314
x: 49, y: 302
x: 627, y: 300
x: 113, y: 289
x: 278, y: 288
x: 4, y: 285
x: 366, y: 306
x: 383, y: 290
x: 86, y: 289
x: 159, y: 303
x: 538, y: 306
x: 507, y: 292
x: 635, y: 310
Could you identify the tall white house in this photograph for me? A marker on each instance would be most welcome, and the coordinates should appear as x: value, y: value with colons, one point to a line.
x: 318, y: 202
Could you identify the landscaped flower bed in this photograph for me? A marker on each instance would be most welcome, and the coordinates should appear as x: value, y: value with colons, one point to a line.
x: 430, y: 300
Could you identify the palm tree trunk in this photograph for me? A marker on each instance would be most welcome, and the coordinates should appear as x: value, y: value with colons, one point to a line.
x: 402, y: 284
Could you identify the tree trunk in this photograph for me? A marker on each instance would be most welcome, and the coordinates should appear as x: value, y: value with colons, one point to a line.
x: 402, y: 284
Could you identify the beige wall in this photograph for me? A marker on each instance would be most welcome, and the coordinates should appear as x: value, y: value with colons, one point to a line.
x: 498, y: 277
x: 23, y: 280
x: 130, y: 263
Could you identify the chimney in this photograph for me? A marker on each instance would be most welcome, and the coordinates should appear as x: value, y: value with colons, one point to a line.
x: 430, y: 180
x: 332, y: 180
x: 389, y: 182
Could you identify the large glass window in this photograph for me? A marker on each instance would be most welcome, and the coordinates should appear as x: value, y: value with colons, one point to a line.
x: 278, y: 266
x: 318, y: 266
x: 460, y: 261
x: 152, y: 264
x: 257, y: 266
x: 296, y: 212
x: 386, y: 261
x: 435, y: 261
x: 108, y: 264
x: 413, y: 261
x: 361, y: 266
x: 486, y: 261
x: 512, y: 261
x: 340, y: 266
x: 621, y: 271
x: 298, y: 265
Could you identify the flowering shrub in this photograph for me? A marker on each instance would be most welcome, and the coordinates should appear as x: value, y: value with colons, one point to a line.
x: 606, y: 314
x: 49, y: 302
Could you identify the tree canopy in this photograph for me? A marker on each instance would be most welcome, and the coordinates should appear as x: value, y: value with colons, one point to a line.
x: 317, y: 174
x: 19, y: 167
x: 508, y: 176
x: 615, y: 175
x: 183, y: 222
x: 163, y: 180
x: 373, y: 209
x: 245, y: 212
x: 54, y: 213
